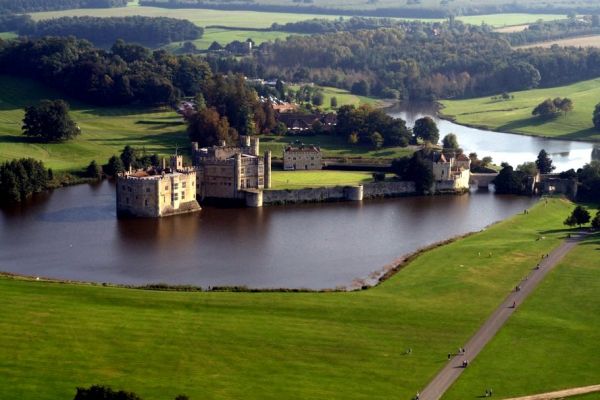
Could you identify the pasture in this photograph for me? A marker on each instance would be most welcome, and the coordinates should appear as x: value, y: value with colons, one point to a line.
x: 551, y: 343
x: 105, y: 130
x: 515, y: 115
x: 225, y: 36
x: 223, y: 345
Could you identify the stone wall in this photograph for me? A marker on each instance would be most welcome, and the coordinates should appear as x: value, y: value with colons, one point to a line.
x: 338, y: 193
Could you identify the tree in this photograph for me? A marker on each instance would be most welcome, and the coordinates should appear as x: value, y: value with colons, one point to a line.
x: 208, y: 128
x: 544, y: 163
x: 579, y: 216
x: 508, y: 181
x: 360, y: 88
x: 280, y: 129
x: 376, y: 140
x: 416, y: 169
x: 596, y: 221
x: 450, y: 142
x: 129, y: 157
x: 565, y: 105
x: 353, y: 138
x: 49, y: 121
x: 19, y: 179
x: 97, y: 392
x: 426, y: 129
x: 280, y: 87
x: 317, y: 99
x: 528, y: 168
x: 114, y: 166
x: 93, y: 170
x: 333, y: 102
x: 596, y: 117
x: 545, y: 109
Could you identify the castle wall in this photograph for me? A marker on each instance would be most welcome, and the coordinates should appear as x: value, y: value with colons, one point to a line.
x: 302, y: 160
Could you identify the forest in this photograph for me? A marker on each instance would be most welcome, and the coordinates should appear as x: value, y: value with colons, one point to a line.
x: 18, y: 6
x: 103, y: 32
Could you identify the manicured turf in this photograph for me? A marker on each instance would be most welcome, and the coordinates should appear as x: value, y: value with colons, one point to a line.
x: 105, y: 131
x: 331, y: 146
x: 515, y: 115
x: 551, y: 343
x: 502, y: 20
x: 225, y: 36
x: 343, y: 97
x: 54, y: 337
x: 314, y: 179
x: 7, y: 35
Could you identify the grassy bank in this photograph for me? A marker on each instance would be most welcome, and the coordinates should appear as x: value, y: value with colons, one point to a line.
x: 105, y: 131
x: 54, y: 337
x: 331, y: 146
x: 344, y: 97
x: 551, y: 343
x: 515, y: 115
x: 314, y: 179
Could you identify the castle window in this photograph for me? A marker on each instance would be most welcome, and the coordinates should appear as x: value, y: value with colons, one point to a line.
x: 175, y: 196
x: 166, y: 187
x: 146, y: 202
x: 129, y: 188
x: 175, y: 186
x: 182, y: 195
x: 183, y: 185
x: 147, y: 190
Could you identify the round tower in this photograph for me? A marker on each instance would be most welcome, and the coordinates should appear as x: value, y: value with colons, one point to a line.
x: 238, y: 172
x: 267, y: 169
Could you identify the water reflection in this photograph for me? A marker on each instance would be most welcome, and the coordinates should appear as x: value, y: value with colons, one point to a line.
x: 502, y: 147
x: 73, y: 233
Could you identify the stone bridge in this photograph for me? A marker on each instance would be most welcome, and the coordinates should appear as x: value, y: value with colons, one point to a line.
x: 482, y: 180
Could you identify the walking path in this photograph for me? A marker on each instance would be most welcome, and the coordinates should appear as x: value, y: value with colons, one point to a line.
x: 560, y: 394
x: 446, y: 377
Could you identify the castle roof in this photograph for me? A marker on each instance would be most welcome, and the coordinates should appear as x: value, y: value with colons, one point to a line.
x: 303, y: 149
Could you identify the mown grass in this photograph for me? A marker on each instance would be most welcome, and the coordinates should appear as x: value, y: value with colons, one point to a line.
x: 551, y: 343
x: 515, y: 115
x: 105, y: 131
x: 314, y: 179
x: 54, y: 337
x: 344, y: 97
x: 331, y: 146
x: 7, y: 35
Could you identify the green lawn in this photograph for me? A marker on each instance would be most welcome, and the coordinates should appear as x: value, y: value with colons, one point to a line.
x: 331, y: 146
x: 515, y: 115
x: 314, y: 179
x: 54, y: 337
x: 502, y: 20
x: 105, y: 131
x: 225, y: 36
x: 7, y: 35
x: 344, y: 97
x: 551, y: 343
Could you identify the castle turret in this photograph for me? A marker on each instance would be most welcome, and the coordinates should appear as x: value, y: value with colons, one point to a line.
x: 255, y: 148
x: 238, y: 172
x: 176, y: 163
x: 267, y: 169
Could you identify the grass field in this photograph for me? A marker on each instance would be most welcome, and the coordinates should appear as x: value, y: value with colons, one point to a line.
x: 105, y: 131
x: 314, y: 179
x: 201, y: 17
x: 54, y: 337
x: 343, y: 97
x: 582, y: 41
x: 331, y: 146
x: 551, y: 343
x: 7, y: 35
x: 225, y: 36
x: 515, y: 115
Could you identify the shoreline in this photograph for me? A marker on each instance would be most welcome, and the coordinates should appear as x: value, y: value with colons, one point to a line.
x: 451, y: 118
x: 371, y: 281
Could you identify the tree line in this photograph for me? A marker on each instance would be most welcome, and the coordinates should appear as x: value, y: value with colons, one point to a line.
x: 126, y: 74
x: 544, y: 31
x: 21, y: 178
x: 417, y: 60
x: 148, y: 31
x: 19, y: 6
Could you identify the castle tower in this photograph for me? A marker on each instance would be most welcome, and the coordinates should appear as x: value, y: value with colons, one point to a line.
x: 267, y: 169
x: 176, y: 163
x: 238, y: 172
x: 255, y: 151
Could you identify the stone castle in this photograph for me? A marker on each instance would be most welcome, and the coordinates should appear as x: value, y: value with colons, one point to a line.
x: 220, y: 172
x: 451, y: 172
x: 157, y: 192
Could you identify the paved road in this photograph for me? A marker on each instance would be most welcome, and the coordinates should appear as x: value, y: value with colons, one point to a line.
x: 446, y: 377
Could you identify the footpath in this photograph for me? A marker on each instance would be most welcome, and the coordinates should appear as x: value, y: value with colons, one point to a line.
x: 448, y: 375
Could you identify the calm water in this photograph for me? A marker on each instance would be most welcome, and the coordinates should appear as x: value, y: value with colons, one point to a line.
x: 514, y: 149
x: 73, y: 233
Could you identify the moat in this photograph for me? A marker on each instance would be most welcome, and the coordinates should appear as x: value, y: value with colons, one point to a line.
x: 73, y: 233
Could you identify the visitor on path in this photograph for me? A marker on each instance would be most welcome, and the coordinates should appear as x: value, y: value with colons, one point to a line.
x: 514, y: 304
x: 449, y: 356
x: 418, y: 396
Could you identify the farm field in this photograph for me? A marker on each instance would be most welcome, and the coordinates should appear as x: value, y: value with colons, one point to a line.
x: 582, y: 41
x: 331, y: 146
x: 313, y: 179
x: 550, y: 343
x: 105, y: 131
x: 220, y: 345
x: 225, y: 36
x: 515, y: 115
x: 201, y: 17
x: 252, y: 19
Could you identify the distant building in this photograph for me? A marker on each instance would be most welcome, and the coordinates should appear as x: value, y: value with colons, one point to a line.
x: 230, y: 172
x: 451, y: 172
x: 157, y: 192
x: 302, y: 158
x: 298, y: 122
